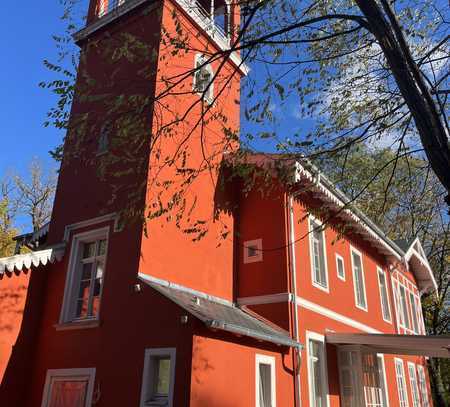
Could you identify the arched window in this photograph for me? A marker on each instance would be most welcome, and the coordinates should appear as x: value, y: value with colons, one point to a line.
x: 203, y: 78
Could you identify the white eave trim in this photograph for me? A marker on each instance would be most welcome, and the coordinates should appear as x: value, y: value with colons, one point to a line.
x: 130, y: 5
x: 22, y: 262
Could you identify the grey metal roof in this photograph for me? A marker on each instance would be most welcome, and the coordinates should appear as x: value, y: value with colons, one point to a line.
x: 218, y: 313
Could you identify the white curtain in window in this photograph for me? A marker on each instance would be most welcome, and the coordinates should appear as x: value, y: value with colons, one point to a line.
x: 68, y: 394
x: 265, y: 385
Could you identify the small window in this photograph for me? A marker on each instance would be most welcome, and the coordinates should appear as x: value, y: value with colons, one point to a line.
x: 340, y: 267
x: 413, y: 383
x: 318, y: 386
x: 414, y: 312
x: 404, y: 314
x: 104, y: 138
x: 401, y: 383
x: 203, y: 78
x: 253, y: 251
x: 265, y: 381
x: 384, y: 298
x: 318, y: 254
x: 159, y: 377
x: 358, y: 280
x: 85, y: 277
x: 73, y: 386
x: 423, y: 386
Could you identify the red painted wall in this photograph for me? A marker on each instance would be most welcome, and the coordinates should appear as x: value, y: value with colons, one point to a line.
x: 13, y: 293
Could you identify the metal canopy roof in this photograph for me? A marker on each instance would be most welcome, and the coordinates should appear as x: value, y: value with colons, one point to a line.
x: 218, y: 313
x: 421, y: 345
x: 22, y: 262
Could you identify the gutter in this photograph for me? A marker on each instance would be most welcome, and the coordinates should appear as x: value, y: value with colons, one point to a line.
x: 218, y: 324
x: 293, y: 277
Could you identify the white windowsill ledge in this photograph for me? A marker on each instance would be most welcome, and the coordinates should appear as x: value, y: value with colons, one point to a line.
x: 67, y: 326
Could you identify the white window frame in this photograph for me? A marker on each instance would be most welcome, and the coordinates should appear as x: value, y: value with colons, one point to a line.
x: 380, y: 272
x: 340, y: 258
x: 404, y: 313
x: 150, y: 355
x: 382, y: 369
x: 401, y: 386
x: 414, y: 384
x: 68, y: 375
x: 312, y: 220
x: 209, y: 94
x: 257, y: 243
x: 68, y: 299
x: 313, y: 336
x: 265, y: 360
x: 358, y: 253
x: 415, y: 320
x: 423, y: 388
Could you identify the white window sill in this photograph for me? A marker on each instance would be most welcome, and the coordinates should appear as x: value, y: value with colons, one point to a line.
x: 88, y: 324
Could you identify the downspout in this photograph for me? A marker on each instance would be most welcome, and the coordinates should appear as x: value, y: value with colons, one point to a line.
x: 293, y: 277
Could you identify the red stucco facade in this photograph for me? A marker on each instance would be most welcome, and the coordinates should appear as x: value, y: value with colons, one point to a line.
x: 213, y: 367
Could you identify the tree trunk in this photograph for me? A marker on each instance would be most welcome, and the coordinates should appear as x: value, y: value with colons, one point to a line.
x: 412, y: 86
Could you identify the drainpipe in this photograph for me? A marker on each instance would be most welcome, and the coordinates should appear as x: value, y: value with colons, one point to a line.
x: 293, y: 277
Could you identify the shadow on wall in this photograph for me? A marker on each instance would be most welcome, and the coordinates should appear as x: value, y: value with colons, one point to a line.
x: 11, y: 306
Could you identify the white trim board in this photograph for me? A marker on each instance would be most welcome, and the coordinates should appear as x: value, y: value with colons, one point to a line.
x: 89, y: 222
x: 266, y: 360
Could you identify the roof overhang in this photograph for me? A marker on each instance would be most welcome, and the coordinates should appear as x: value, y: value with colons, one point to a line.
x: 419, y: 345
x: 22, y: 262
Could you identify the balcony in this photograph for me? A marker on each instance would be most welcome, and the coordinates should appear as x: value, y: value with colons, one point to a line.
x: 213, y: 16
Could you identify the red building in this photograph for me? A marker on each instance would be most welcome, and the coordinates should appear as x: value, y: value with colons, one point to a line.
x: 283, y: 312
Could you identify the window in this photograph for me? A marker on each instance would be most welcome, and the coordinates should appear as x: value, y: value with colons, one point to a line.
x: 203, y: 78
x: 414, y: 312
x: 358, y: 280
x: 69, y: 387
x: 423, y: 386
x: 404, y: 314
x: 317, y: 379
x: 265, y: 381
x: 383, y: 382
x: 104, y: 138
x: 413, y: 382
x: 158, y: 378
x: 401, y: 383
x: 385, y: 307
x: 253, y: 251
x: 85, y: 277
x: 371, y: 378
x: 318, y: 254
x: 340, y: 267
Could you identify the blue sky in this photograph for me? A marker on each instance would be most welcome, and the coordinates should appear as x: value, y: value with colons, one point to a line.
x: 25, y: 37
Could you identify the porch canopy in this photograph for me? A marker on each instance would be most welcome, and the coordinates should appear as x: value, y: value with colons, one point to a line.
x: 420, y: 345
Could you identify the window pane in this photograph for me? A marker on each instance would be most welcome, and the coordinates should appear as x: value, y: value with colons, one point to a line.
x: 318, y: 255
x: 88, y: 250
x: 359, y: 281
x: 102, y: 247
x: 340, y: 266
x: 404, y: 306
x: 317, y: 374
x: 68, y: 394
x: 415, y: 322
x: 384, y: 296
x: 163, y: 376
x: 265, y: 385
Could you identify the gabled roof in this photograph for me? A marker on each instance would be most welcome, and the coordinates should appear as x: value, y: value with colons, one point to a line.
x: 21, y: 262
x: 218, y: 313
x: 302, y: 172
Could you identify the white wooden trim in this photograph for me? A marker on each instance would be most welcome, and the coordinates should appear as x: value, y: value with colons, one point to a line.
x: 68, y: 375
x: 265, y: 299
x: 319, y: 338
x: 339, y: 257
x: 149, y: 354
x: 415, y: 390
x: 311, y: 218
x: 89, y: 222
x: 65, y: 316
x: 381, y: 271
x: 356, y: 251
x: 259, y: 250
x: 335, y: 316
x: 267, y: 360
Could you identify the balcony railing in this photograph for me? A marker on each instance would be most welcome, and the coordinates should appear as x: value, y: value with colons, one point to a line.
x: 204, y: 18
